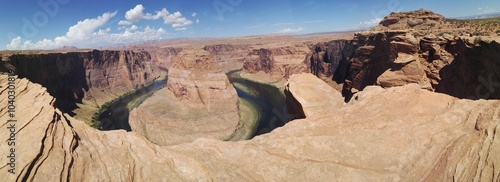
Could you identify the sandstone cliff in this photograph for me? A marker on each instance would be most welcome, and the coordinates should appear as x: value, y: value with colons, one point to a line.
x: 372, y: 138
x: 455, y: 65
x: 331, y: 60
x: 278, y: 63
x: 420, y: 19
x: 94, y: 76
x: 228, y: 56
x: 198, y: 102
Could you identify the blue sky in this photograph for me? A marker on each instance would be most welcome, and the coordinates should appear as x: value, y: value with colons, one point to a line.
x: 48, y: 24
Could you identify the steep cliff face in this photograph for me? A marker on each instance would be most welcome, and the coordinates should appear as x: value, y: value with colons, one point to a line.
x: 228, y: 56
x: 280, y: 62
x: 474, y: 72
x: 331, y: 59
x: 386, y: 58
x: 163, y: 56
x: 199, y: 102
x: 448, y: 65
x: 375, y: 137
x: 74, y: 76
x: 393, y: 57
x: 260, y: 60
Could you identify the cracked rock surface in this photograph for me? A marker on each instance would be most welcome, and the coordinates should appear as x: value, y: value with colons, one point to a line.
x: 396, y: 134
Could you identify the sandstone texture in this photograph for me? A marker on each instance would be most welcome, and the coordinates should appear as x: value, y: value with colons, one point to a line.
x: 392, y: 54
x: 198, y: 102
x: 280, y: 62
x: 419, y: 19
x: 85, y: 76
x: 430, y: 22
x: 375, y: 137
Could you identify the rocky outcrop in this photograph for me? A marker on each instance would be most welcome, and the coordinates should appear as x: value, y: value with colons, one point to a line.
x: 280, y: 62
x: 388, y: 59
x: 199, y: 102
x: 163, y: 56
x: 473, y: 72
x: 94, y: 75
x: 260, y: 60
x: 331, y: 59
x: 228, y: 56
x: 372, y: 138
x: 420, y: 20
x: 448, y: 64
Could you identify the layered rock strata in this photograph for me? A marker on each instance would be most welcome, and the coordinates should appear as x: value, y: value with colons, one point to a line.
x: 95, y: 75
x: 372, y: 138
x: 198, y: 102
x: 448, y: 64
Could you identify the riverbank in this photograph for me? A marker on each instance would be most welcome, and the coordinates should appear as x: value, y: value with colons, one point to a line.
x: 114, y: 114
x: 87, y: 109
x: 268, y: 106
x: 249, y: 117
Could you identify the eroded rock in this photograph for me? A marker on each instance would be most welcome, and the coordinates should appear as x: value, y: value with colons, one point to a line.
x: 421, y: 135
x: 198, y: 102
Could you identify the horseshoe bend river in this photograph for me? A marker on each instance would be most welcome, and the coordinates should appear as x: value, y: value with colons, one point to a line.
x: 264, y: 102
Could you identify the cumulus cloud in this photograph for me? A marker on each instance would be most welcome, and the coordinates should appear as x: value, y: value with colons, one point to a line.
x: 176, y: 20
x: 135, y: 14
x: 88, y: 33
x: 132, y: 28
x: 291, y: 30
x: 194, y: 14
x: 197, y: 20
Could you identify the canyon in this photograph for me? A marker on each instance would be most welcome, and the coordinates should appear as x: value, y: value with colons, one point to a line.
x: 411, y: 99
x: 373, y: 137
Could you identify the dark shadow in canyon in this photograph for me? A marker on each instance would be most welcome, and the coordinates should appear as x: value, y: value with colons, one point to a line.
x: 65, y: 79
x: 269, y: 100
x: 474, y: 73
x: 116, y: 116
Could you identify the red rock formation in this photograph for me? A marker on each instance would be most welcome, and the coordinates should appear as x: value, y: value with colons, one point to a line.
x: 278, y: 62
x: 419, y: 19
x: 260, y: 60
x: 390, y: 58
x: 199, y: 102
x: 375, y: 137
x: 73, y: 76
x: 331, y: 59
x: 163, y: 57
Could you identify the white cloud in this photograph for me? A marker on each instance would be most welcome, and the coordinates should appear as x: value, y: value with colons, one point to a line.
x: 291, y: 30
x: 124, y: 22
x: 197, y: 20
x: 486, y: 10
x: 194, y: 14
x: 176, y: 20
x: 88, y: 33
x: 182, y: 28
x: 132, y: 28
x: 369, y: 23
x: 135, y: 14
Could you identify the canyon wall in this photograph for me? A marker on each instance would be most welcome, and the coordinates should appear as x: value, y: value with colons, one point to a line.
x: 331, y: 59
x: 375, y: 137
x: 395, y: 56
x: 96, y: 76
x: 278, y: 62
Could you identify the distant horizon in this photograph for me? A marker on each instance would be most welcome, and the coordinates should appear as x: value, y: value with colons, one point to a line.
x: 52, y: 24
